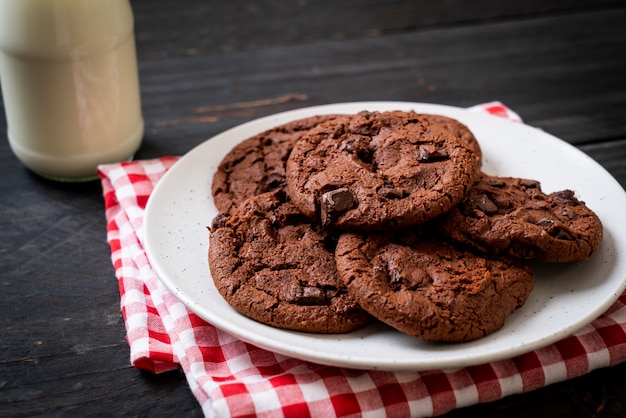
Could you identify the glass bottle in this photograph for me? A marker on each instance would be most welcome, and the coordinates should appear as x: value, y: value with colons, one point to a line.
x: 68, y: 73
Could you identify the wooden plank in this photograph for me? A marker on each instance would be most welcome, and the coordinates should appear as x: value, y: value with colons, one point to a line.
x: 568, y: 82
x: 242, y: 25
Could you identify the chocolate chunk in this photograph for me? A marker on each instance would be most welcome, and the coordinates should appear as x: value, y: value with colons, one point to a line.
x: 339, y: 200
x: 412, y: 280
x: 431, y: 153
x: 351, y: 147
x: 568, y: 213
x: 390, y: 193
x: 563, y: 197
x: 334, y: 203
x: 560, y: 233
x: 305, y: 295
x: 545, y: 222
x: 483, y: 203
x: 529, y: 183
x: 358, y: 147
x: 395, y: 280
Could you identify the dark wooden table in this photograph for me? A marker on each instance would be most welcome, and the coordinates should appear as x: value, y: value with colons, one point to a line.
x: 206, y: 66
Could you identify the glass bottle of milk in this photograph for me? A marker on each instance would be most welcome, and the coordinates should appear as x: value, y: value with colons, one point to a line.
x: 68, y: 73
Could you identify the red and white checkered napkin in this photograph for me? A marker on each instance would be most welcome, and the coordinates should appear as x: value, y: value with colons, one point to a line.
x: 233, y: 378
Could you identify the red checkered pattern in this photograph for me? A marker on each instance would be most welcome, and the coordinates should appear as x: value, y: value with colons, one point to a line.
x: 232, y: 378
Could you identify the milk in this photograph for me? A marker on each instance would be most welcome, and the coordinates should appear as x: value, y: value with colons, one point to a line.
x: 68, y: 72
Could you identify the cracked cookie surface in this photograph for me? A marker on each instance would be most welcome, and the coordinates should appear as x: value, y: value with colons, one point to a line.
x: 273, y: 265
x: 379, y: 170
x: 257, y: 165
x: 430, y: 289
x: 462, y: 132
x: 507, y: 215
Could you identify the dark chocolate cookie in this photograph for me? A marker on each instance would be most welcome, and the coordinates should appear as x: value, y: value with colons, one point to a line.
x: 504, y: 215
x: 257, y: 165
x: 430, y: 289
x: 273, y: 265
x: 377, y: 171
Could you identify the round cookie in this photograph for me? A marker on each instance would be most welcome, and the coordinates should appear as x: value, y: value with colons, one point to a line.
x: 505, y: 215
x: 273, y: 265
x: 378, y: 171
x: 430, y: 289
x: 257, y: 164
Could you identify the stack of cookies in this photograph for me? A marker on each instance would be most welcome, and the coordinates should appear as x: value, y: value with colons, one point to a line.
x: 328, y: 223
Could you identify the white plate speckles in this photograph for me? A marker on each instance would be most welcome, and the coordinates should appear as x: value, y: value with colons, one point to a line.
x: 565, y: 298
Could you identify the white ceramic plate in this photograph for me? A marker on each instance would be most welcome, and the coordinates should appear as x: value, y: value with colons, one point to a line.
x: 565, y: 298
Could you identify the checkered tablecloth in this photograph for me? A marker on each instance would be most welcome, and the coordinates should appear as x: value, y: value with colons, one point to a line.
x: 232, y: 378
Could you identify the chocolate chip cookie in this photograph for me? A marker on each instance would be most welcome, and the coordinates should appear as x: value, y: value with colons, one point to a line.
x: 273, y: 265
x: 506, y: 215
x: 257, y: 165
x: 428, y: 288
x: 379, y: 170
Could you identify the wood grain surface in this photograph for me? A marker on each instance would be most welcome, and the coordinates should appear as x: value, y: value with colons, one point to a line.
x: 206, y: 66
